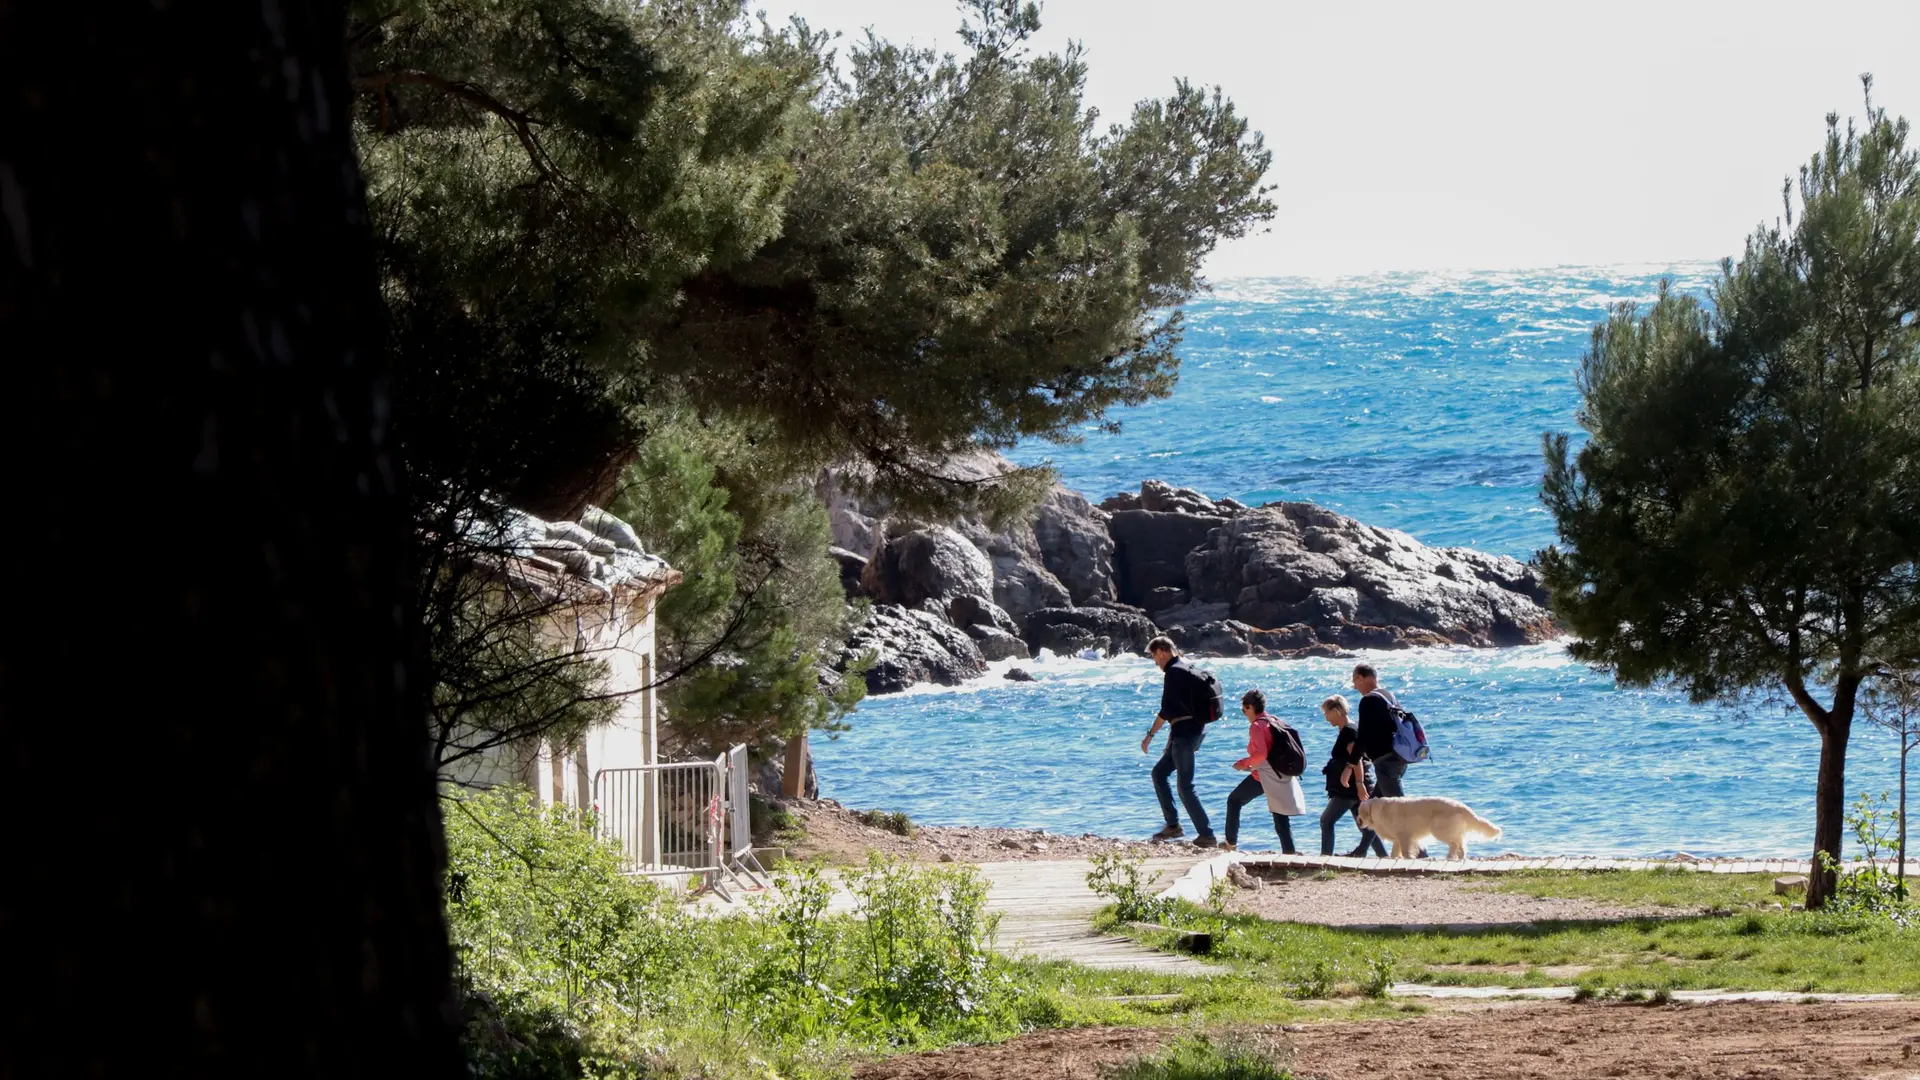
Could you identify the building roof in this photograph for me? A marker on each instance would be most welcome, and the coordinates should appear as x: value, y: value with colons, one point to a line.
x: 598, y: 555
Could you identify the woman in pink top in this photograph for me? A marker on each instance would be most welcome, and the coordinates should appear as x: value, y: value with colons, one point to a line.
x: 1263, y: 776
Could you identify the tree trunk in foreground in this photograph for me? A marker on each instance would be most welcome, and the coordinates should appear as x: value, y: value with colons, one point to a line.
x: 1829, y: 805
x: 225, y: 854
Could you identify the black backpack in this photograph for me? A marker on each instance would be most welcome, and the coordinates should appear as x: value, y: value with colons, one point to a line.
x: 1287, y: 756
x: 1207, y: 697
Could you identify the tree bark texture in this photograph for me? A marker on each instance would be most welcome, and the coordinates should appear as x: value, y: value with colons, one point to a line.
x: 1829, y: 804
x: 226, y: 855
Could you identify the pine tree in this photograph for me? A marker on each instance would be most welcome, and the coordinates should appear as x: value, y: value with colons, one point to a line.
x: 1746, y: 512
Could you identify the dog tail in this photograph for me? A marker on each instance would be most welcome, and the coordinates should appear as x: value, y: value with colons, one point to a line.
x: 1486, y: 828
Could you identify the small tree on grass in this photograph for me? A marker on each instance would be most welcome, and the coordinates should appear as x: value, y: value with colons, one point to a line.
x: 1746, y: 513
x: 1893, y: 702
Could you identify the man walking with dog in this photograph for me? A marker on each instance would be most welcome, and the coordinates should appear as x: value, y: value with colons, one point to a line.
x: 1189, y: 700
x: 1379, y: 720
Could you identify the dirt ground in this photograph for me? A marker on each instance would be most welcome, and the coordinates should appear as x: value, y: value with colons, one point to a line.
x: 1367, y: 900
x: 840, y: 836
x: 1737, y: 1041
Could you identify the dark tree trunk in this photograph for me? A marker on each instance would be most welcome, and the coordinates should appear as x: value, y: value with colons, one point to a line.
x: 1829, y: 803
x: 224, y: 854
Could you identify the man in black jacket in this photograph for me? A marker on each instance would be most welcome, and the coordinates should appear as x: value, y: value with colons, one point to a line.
x: 1179, y: 707
x: 1377, y: 725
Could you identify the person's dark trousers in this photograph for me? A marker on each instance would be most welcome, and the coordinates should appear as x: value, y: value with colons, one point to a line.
x: 1248, y: 791
x: 1178, y: 757
x: 1336, y: 809
x: 1388, y: 772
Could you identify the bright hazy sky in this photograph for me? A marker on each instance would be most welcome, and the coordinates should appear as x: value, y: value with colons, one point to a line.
x: 1484, y: 135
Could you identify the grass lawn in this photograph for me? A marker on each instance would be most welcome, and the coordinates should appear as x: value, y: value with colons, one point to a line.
x: 1750, y: 941
x: 1686, y: 889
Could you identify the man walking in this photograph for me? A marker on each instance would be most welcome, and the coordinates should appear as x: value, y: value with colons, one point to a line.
x: 1186, y: 706
x: 1377, y: 726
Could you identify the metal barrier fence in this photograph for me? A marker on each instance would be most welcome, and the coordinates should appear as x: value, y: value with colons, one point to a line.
x: 680, y: 818
x: 666, y: 819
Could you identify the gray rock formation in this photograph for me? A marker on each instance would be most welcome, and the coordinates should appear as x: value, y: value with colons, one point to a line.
x: 1361, y: 586
x: 1070, y: 630
x: 911, y: 566
x: 912, y: 646
x: 1150, y: 549
x: 1283, y: 580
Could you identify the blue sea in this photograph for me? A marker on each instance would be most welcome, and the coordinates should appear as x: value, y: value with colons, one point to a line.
x: 1415, y: 401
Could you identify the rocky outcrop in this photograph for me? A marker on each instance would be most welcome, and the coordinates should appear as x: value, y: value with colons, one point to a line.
x: 912, y: 566
x: 1282, y: 580
x: 912, y: 646
x: 1360, y: 586
x: 1111, y: 630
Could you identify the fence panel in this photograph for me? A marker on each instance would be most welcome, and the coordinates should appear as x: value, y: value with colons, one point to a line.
x: 666, y: 819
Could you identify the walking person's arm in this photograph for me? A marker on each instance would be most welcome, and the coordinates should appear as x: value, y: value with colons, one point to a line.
x: 1146, y: 744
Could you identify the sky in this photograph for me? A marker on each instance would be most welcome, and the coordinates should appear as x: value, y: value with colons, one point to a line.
x: 1484, y: 135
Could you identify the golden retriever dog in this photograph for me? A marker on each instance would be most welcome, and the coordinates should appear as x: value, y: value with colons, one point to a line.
x: 1404, y: 822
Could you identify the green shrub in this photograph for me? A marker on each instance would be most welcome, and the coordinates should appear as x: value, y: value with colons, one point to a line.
x: 893, y: 821
x: 1125, y: 881
x: 1379, y: 978
x: 1196, y: 1057
x: 1316, y: 982
x: 573, y: 969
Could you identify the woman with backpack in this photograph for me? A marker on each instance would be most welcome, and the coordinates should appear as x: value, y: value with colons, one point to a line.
x: 1348, y: 780
x: 1274, y: 762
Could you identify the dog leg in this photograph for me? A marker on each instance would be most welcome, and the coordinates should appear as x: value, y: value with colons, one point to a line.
x: 1457, y: 851
x: 1396, y: 853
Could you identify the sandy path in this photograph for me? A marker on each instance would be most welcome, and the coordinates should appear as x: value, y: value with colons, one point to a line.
x: 1360, y: 900
x: 1531, y: 1042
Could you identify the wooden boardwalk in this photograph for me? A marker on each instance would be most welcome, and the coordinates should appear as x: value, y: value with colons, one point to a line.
x: 1046, y: 913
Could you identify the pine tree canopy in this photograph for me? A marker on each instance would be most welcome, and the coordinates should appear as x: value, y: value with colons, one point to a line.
x: 655, y: 244
x: 1745, y: 514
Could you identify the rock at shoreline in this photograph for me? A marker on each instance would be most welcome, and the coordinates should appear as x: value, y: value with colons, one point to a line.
x: 1360, y: 586
x: 1281, y: 580
x: 912, y: 646
x: 1150, y: 549
x: 1111, y: 630
x: 916, y: 565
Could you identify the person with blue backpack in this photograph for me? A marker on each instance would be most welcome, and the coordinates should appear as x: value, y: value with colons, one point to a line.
x: 1390, y: 736
x: 1189, y: 701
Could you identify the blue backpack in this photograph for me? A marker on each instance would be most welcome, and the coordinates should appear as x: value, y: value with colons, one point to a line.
x: 1409, y: 738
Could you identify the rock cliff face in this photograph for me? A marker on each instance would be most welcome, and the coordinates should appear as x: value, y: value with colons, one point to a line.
x: 1220, y: 578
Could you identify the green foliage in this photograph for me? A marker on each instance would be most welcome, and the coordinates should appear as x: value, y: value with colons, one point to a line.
x: 894, y: 821
x: 1746, y: 512
x: 972, y: 259
x: 1874, y: 889
x: 1379, y: 977
x: 1316, y: 979
x: 745, y: 636
x: 1125, y: 881
x: 571, y: 966
x: 1197, y: 1057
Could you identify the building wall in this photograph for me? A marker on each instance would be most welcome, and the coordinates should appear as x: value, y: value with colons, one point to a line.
x: 619, y: 633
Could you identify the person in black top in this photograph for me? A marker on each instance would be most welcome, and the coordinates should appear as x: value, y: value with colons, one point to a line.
x: 1349, y: 781
x: 1377, y: 725
x: 1179, y: 695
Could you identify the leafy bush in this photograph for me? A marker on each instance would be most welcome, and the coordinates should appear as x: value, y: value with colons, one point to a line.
x: 573, y: 969
x: 1196, y: 1057
x: 893, y: 821
x: 1873, y: 889
x: 1125, y: 881
x: 1379, y: 978
x: 1317, y: 981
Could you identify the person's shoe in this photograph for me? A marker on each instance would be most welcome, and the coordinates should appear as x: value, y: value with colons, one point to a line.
x: 1205, y: 841
x: 1357, y: 853
x: 1229, y: 846
x: 1422, y: 854
x: 1171, y: 832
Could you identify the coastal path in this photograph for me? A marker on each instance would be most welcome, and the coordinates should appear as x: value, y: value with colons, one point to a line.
x: 1046, y: 913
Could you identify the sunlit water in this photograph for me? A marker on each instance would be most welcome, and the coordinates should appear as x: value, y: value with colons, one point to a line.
x: 1414, y: 401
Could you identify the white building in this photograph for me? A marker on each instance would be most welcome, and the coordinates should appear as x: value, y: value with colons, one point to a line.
x: 591, y: 590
